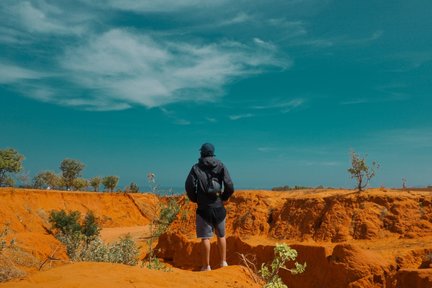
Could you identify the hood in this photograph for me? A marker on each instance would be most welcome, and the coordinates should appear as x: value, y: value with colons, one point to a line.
x: 210, y: 163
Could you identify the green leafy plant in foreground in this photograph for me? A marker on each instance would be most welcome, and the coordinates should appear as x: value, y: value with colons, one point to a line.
x: 270, y: 273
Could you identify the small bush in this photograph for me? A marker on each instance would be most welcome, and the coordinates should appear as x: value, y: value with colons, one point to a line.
x: 82, y: 241
x: 11, y: 256
x: 90, y: 227
x: 270, y: 274
x: 125, y: 251
x: 65, y: 223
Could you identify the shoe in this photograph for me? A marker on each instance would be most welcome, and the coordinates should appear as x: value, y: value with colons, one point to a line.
x: 224, y: 264
x: 206, y: 268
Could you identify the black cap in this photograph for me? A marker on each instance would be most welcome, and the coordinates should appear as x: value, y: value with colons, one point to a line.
x: 207, y: 149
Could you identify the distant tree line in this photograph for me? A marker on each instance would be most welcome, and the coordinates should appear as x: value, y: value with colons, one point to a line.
x: 69, y: 177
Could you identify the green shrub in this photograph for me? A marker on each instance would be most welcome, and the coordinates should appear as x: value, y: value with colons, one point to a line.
x: 83, y: 243
x: 270, y: 274
x: 125, y: 251
x: 65, y: 223
x: 90, y: 227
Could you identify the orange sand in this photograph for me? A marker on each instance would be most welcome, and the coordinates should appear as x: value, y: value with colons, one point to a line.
x: 379, y: 238
x: 103, y: 275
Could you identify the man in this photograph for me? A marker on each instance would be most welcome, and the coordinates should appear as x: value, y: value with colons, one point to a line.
x: 209, y: 185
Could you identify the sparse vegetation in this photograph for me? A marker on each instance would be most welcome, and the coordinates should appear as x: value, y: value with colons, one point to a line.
x: 10, y: 162
x: 132, y: 188
x: 288, y: 188
x: 47, y: 179
x: 71, y: 169
x: 162, y: 215
x: 110, y: 182
x: 360, y: 171
x: 83, y: 243
x: 95, y: 182
x: 79, y: 184
x: 10, y: 256
x: 270, y: 273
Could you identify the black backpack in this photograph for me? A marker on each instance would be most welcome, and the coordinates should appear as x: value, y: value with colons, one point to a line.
x: 214, y: 184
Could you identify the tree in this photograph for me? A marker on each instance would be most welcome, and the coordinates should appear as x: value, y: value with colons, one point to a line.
x: 10, y: 162
x: 71, y: 169
x: 46, y: 179
x: 95, y: 182
x: 360, y: 171
x: 79, y: 183
x: 110, y: 182
x: 132, y: 188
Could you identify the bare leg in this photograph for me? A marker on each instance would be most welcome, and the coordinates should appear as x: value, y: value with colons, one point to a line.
x: 205, y: 244
x: 222, y: 249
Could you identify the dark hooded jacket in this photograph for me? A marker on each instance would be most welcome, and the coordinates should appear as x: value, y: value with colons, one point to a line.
x: 210, y: 206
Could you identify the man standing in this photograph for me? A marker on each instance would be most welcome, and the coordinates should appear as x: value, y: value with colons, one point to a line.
x: 209, y: 185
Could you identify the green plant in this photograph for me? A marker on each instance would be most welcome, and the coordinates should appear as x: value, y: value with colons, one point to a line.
x: 90, y: 228
x: 163, y: 213
x: 95, y: 182
x: 71, y: 169
x: 132, y: 188
x: 124, y: 251
x: 83, y: 243
x: 270, y: 273
x: 110, y: 182
x: 79, y: 183
x: 360, y: 171
x: 3, y: 242
x: 47, y: 179
x: 10, y: 162
x: 65, y: 223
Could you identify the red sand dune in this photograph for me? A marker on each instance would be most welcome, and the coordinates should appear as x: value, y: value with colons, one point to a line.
x: 379, y: 238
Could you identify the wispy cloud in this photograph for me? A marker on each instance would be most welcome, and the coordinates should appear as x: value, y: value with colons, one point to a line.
x: 10, y: 73
x: 163, y: 6
x: 391, y: 97
x: 284, y: 106
x: 42, y: 17
x: 266, y: 149
x: 137, y: 69
x: 336, y: 41
x: 413, y: 138
x: 241, y: 116
x: 237, y: 19
x: 101, y: 66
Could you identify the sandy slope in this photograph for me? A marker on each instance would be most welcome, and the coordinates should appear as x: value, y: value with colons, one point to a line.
x: 103, y: 275
x: 377, y: 238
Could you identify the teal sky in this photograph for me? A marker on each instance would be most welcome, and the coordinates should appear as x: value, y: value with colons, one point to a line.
x: 283, y: 89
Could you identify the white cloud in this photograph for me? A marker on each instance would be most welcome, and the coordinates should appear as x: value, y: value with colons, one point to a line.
x: 285, y: 106
x: 123, y: 67
x: 155, y: 5
x: 239, y: 18
x: 211, y: 120
x: 241, y: 116
x: 264, y: 44
x: 43, y: 18
x: 289, y: 29
x: 10, y: 73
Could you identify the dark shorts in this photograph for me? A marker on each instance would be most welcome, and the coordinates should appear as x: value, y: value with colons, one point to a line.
x: 205, y: 230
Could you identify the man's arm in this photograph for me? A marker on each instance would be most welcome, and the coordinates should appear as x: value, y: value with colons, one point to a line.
x: 190, y: 186
x: 228, y: 185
